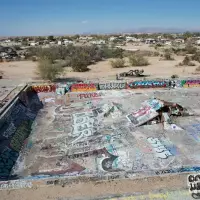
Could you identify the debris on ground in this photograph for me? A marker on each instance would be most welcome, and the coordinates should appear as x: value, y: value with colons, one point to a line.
x: 136, y: 73
x: 155, y: 111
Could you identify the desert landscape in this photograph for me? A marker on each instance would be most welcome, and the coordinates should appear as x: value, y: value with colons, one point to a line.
x: 99, y: 100
x: 26, y: 71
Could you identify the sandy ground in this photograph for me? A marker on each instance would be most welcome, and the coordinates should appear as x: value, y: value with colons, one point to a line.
x: 156, y: 69
x: 19, y: 70
x: 90, y: 190
x: 25, y: 71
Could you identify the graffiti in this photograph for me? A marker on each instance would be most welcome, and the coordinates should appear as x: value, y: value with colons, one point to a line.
x: 44, y: 88
x: 147, y: 84
x: 16, y: 184
x: 10, y: 130
x: 194, y: 185
x: 154, y: 104
x: 168, y: 195
x: 83, y: 87
x: 160, y: 150
x: 60, y: 91
x: 112, y: 86
x: 21, y: 134
x: 89, y: 95
x: 142, y: 115
x: 190, y: 83
x: 84, y: 125
x: 7, y: 159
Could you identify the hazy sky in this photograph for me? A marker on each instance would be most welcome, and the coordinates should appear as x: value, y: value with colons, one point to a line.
x: 46, y: 17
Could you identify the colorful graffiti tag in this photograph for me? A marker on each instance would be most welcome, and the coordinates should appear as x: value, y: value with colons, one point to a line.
x: 83, y: 87
x: 190, y: 83
x: 44, y: 88
x: 147, y: 84
x: 142, y: 115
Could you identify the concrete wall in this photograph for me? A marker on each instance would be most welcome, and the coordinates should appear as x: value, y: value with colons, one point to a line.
x: 15, y: 127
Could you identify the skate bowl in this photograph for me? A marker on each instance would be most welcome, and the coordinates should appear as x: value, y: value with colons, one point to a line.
x: 62, y: 138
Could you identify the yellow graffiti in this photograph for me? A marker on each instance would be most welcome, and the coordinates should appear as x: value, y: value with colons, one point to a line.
x: 151, y: 196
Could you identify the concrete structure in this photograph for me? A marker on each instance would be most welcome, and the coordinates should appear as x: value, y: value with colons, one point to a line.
x: 94, y: 134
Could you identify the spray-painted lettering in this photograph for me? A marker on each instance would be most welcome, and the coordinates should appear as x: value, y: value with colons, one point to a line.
x: 44, y: 88
x: 147, y: 84
x: 90, y: 87
x: 112, y: 86
x: 160, y: 150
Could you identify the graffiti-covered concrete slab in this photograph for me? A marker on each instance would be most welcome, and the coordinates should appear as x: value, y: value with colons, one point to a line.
x: 94, y: 136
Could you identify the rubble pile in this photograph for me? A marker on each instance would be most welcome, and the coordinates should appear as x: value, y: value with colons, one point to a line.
x: 155, y: 111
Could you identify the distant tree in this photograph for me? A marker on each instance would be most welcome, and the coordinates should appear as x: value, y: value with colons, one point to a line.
x: 51, y: 38
x: 75, y: 37
x: 24, y: 43
x: 187, y: 35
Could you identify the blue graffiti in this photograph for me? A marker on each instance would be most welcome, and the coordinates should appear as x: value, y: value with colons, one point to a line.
x: 144, y: 84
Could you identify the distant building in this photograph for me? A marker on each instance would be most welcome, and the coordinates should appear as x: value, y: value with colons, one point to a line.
x: 198, y: 42
x: 34, y: 43
x: 98, y: 42
x: 112, y: 38
x: 129, y: 38
x: 150, y: 41
x: 180, y: 41
x: 60, y: 43
x: 65, y: 42
x: 85, y: 38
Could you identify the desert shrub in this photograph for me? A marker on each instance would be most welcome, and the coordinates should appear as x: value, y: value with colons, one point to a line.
x: 118, y: 63
x: 49, y: 70
x: 187, y: 62
x: 80, y: 61
x: 174, y: 76
x: 196, y: 56
x: 78, y: 57
x: 168, y: 56
x: 34, y: 58
x: 190, y: 49
x: 198, y: 69
x: 137, y: 60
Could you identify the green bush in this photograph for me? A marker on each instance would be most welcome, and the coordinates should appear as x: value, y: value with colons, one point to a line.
x: 49, y: 70
x: 80, y: 61
x: 168, y: 56
x: 137, y: 60
x: 118, y: 63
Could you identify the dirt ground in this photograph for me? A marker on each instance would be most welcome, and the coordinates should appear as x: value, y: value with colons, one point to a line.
x: 26, y: 70
x: 90, y: 190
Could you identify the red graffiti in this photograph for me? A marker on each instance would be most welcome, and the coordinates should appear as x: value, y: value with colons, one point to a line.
x: 44, y: 88
x: 83, y: 87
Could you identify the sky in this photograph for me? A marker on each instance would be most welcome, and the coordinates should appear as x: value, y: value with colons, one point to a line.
x: 60, y: 17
